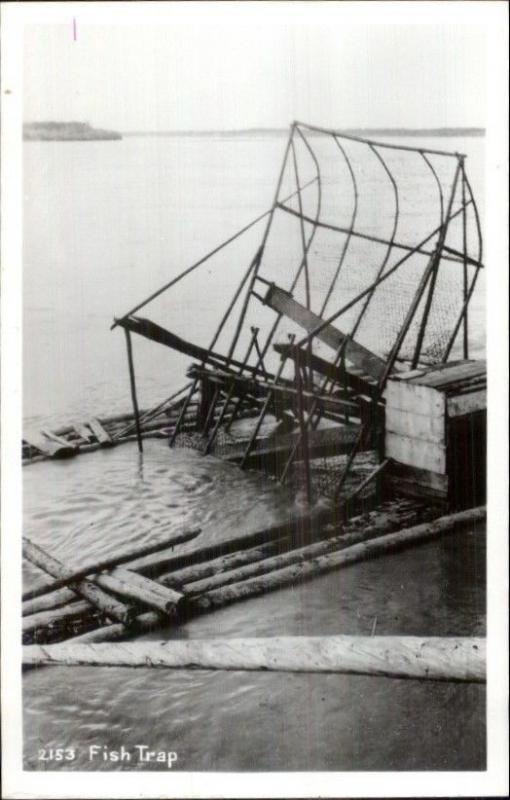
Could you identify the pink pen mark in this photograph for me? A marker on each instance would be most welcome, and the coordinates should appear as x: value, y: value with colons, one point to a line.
x: 74, y: 28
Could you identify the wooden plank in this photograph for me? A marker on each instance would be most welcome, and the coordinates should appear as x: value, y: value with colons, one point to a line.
x: 352, y: 377
x: 283, y: 303
x: 424, y: 477
x: 49, y: 447
x: 418, y: 399
x: 417, y: 453
x: 442, y: 377
x: 83, y: 431
x: 466, y: 404
x: 58, y: 439
x: 464, y: 387
x: 99, y: 432
x: 416, y: 426
x: 410, y: 488
x: 156, y: 333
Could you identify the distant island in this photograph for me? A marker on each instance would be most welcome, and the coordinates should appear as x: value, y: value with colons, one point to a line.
x: 362, y: 132
x: 66, y: 132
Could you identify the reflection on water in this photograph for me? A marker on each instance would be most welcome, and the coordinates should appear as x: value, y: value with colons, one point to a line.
x: 88, y: 507
x: 103, y: 227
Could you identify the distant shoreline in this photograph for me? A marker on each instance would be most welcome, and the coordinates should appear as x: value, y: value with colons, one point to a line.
x: 362, y: 132
x: 66, y: 132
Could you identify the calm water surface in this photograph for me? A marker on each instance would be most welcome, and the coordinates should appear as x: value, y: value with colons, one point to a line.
x: 105, y: 224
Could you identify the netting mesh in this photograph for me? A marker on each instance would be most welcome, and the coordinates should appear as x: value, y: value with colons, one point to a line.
x: 368, y: 212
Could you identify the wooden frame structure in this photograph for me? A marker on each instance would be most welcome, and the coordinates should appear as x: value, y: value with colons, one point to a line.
x: 347, y: 388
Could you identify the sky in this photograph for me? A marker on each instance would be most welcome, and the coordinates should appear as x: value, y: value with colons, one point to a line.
x: 203, y: 71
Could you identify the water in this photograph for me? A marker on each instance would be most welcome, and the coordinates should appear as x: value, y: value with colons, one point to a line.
x: 105, y: 224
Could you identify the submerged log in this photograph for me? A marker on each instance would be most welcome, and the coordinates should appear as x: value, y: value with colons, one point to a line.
x: 294, y: 528
x: 218, y: 566
x: 46, y: 619
x: 326, y: 563
x: 292, y: 574
x: 431, y: 658
x: 72, y: 575
x: 108, y: 605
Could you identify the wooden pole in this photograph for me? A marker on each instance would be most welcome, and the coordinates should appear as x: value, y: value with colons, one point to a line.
x: 265, y: 407
x: 133, y: 389
x: 465, y: 266
x: 302, y: 426
x: 452, y: 658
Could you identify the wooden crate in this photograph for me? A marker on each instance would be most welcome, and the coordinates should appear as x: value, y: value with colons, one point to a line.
x: 435, y: 433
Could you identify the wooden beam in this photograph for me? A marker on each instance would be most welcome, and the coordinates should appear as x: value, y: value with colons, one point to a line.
x: 332, y: 371
x: 99, y: 432
x: 156, y: 333
x: 282, y: 302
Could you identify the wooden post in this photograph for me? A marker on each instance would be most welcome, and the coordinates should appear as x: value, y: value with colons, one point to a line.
x: 303, y: 428
x: 133, y: 390
x: 465, y: 266
x: 221, y: 415
x: 265, y: 406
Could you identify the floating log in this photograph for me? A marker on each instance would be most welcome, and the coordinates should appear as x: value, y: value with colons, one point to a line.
x: 404, y: 512
x: 454, y: 658
x: 110, y: 607
x: 44, y: 619
x: 224, y: 570
x: 217, y: 566
x: 326, y: 563
x: 229, y: 594
x: 294, y: 528
x: 99, y: 432
x: 148, y: 621
x: 142, y: 590
x: 60, y: 597
x: 272, y: 563
x: 108, y: 563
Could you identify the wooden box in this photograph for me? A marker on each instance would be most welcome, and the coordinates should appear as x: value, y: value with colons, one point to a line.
x: 435, y: 433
